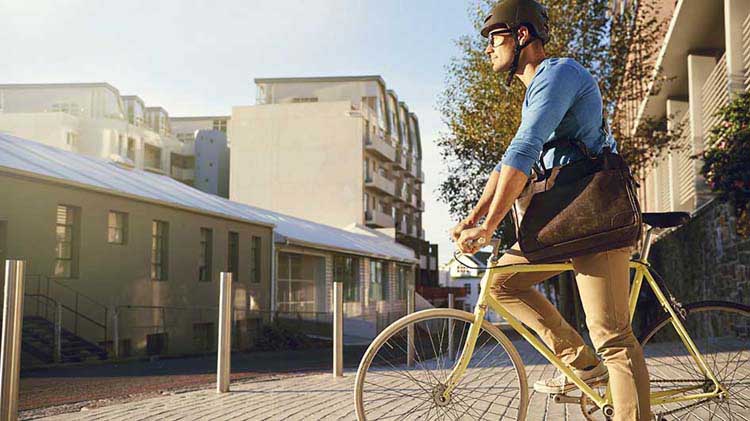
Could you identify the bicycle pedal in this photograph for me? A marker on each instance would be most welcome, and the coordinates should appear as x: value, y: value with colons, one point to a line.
x: 563, y: 398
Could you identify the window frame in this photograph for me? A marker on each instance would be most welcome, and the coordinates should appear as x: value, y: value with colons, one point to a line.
x: 123, y: 229
x: 159, y: 250
x: 205, y: 260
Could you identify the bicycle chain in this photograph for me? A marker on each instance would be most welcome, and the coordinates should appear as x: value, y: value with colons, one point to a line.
x: 672, y: 411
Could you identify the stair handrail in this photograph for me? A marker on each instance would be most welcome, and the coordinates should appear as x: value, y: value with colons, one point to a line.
x: 77, y: 313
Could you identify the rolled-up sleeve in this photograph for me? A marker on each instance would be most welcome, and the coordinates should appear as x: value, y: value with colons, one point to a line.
x: 550, y: 95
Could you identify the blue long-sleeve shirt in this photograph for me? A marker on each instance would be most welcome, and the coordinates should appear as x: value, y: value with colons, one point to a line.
x: 563, y: 101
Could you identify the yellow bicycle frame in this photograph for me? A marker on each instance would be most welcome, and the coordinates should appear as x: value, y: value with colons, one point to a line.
x: 641, y: 271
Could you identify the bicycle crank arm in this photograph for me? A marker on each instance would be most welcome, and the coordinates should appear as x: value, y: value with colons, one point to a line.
x: 563, y: 398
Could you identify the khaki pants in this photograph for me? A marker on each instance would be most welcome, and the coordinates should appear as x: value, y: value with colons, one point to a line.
x: 603, y: 284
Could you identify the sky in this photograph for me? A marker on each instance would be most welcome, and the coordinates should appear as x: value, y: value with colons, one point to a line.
x: 200, y: 57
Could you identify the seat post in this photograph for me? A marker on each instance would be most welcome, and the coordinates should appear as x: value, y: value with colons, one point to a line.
x: 647, y: 244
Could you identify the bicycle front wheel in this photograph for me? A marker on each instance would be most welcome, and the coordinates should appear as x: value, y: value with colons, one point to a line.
x: 721, y: 332
x: 403, y: 374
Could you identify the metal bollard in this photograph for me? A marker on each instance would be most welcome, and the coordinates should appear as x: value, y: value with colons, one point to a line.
x: 451, y: 304
x: 338, y: 329
x: 410, y: 297
x: 10, y: 353
x: 224, y: 354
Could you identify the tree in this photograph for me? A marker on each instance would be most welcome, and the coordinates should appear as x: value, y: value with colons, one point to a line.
x: 482, y: 116
x: 726, y: 160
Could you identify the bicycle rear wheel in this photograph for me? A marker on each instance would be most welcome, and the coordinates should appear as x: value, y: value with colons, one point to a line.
x: 493, y: 386
x: 721, y: 331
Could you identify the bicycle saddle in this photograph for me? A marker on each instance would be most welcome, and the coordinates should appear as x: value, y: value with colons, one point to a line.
x: 665, y: 219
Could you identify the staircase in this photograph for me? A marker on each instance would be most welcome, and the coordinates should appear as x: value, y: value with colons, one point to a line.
x: 38, y: 344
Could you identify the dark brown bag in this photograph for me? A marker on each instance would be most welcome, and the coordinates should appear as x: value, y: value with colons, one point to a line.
x: 585, y: 207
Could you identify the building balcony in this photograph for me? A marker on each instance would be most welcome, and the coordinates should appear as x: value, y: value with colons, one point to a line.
x: 183, y: 174
x: 420, y: 176
x: 400, y: 195
x: 402, y: 228
x: 378, y: 219
x: 414, y: 202
x: 420, y: 205
x: 399, y: 161
x: 375, y: 142
x: 380, y: 183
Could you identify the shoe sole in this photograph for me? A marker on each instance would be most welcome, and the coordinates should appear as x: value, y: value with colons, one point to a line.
x: 597, y: 381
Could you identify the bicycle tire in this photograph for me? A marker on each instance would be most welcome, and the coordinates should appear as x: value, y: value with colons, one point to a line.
x: 667, y: 366
x: 435, y: 315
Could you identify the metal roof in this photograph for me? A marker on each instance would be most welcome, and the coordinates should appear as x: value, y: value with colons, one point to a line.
x: 37, y: 160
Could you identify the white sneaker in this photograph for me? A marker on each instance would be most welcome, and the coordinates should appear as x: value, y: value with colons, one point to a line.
x: 561, y: 383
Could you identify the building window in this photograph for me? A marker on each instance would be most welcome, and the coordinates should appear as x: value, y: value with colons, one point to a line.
x: 378, y: 281
x: 204, y: 266
x: 346, y: 271
x: 220, y: 125
x: 255, y: 259
x: 305, y: 99
x: 467, y: 287
x: 71, y: 139
x: 301, y: 283
x: 66, y: 242
x: 402, y: 274
x: 233, y: 254
x: 159, y: 250
x: 117, y: 227
x: 131, y: 149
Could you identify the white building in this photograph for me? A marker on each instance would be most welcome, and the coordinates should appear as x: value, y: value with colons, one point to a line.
x: 93, y: 119
x: 336, y: 150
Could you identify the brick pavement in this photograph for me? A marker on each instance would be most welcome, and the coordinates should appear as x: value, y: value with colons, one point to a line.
x: 308, y: 397
x: 321, y: 397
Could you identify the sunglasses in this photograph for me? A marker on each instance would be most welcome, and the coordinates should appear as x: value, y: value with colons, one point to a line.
x: 491, y: 38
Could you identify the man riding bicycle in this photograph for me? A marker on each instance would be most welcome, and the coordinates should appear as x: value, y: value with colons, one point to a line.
x: 562, y: 101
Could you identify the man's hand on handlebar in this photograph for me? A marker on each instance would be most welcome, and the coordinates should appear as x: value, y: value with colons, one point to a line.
x: 472, y: 240
x: 458, y: 229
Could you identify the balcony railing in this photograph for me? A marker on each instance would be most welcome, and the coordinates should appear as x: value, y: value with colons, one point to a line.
x: 375, y: 142
x: 414, y: 202
x: 746, y: 50
x: 377, y: 181
x: 180, y: 173
x: 399, y: 162
x: 378, y: 219
x: 715, y: 93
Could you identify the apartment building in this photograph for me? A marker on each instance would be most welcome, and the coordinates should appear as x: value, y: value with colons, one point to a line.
x: 93, y: 119
x: 704, y: 67
x: 336, y: 150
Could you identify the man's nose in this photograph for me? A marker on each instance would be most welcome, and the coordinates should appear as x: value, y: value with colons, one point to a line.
x: 488, y: 50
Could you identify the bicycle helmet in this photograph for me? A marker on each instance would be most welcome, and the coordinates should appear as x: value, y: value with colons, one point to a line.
x: 512, y: 14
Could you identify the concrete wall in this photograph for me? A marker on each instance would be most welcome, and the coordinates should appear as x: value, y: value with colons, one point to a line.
x: 301, y: 159
x: 116, y: 275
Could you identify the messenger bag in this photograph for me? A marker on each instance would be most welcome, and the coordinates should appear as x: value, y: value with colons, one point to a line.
x: 584, y: 207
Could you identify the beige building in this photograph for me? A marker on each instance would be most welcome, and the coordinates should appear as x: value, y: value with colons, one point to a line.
x: 336, y: 150
x: 134, y: 258
x: 705, y: 68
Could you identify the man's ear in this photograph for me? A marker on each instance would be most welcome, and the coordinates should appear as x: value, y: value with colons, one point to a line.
x: 524, y: 35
